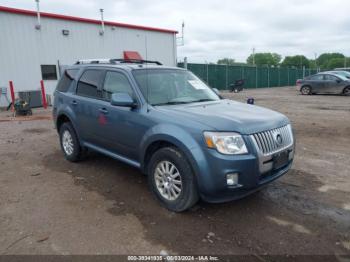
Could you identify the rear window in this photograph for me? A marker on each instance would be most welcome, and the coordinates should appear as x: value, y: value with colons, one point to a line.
x: 90, y: 82
x: 66, y: 80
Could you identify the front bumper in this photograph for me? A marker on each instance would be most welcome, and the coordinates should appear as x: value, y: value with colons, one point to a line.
x: 255, y: 171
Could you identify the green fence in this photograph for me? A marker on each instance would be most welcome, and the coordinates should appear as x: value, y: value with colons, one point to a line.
x: 221, y: 76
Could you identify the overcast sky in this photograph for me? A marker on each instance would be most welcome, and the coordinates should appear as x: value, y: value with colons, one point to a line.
x: 226, y: 28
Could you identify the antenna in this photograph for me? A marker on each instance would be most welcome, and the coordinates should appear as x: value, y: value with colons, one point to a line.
x: 181, y: 38
x: 147, y: 87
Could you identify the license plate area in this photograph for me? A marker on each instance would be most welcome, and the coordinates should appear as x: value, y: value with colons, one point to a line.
x: 280, y: 159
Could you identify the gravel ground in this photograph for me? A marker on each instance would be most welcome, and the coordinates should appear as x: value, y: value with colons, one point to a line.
x: 102, y: 206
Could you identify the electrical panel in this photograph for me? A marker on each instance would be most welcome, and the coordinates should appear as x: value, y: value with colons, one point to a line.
x: 3, y: 90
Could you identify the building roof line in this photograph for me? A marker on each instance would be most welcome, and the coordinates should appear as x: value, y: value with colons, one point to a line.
x: 83, y: 20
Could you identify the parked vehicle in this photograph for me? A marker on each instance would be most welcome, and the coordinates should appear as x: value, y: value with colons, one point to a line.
x: 174, y: 128
x: 342, y: 73
x: 237, y: 86
x: 324, y: 83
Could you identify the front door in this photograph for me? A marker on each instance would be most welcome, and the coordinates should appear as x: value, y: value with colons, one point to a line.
x: 123, y: 127
x: 333, y: 84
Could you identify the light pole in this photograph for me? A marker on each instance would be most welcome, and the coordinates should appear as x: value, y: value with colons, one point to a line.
x: 316, y: 62
x: 253, y: 55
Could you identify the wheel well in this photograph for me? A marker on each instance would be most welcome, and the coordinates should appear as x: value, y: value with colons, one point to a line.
x: 152, y: 148
x: 61, y: 120
x: 306, y: 86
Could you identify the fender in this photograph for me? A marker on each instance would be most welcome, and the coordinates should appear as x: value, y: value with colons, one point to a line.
x: 177, y: 136
x: 68, y: 112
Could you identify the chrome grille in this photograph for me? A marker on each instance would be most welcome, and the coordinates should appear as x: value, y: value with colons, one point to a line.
x: 272, y: 141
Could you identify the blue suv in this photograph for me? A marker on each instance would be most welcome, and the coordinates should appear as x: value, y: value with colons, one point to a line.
x: 189, y: 141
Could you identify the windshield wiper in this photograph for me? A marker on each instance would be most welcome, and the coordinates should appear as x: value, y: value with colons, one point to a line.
x: 171, y: 103
x: 203, y: 100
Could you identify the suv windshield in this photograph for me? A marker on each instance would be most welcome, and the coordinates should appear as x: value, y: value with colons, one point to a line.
x: 172, y: 86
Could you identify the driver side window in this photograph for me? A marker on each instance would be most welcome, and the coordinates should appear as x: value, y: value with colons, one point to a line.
x: 116, y: 83
x: 330, y: 78
x: 317, y: 78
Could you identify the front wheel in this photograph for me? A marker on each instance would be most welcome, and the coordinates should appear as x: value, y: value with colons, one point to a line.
x: 346, y: 91
x: 172, y: 180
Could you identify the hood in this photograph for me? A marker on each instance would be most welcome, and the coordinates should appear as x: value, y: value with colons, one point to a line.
x: 228, y: 115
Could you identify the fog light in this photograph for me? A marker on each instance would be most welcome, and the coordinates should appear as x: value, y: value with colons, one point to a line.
x: 232, y: 179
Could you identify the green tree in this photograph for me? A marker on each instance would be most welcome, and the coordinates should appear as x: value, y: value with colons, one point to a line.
x: 336, y: 63
x: 226, y: 61
x: 296, y: 61
x: 324, y: 59
x: 261, y: 59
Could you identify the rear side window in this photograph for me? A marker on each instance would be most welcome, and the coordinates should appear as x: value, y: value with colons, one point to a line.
x: 89, y: 82
x: 317, y: 77
x: 115, y: 83
x: 66, y: 80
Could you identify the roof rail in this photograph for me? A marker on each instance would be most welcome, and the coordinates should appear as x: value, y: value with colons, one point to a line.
x: 135, y: 61
x: 114, y: 61
x: 94, y: 61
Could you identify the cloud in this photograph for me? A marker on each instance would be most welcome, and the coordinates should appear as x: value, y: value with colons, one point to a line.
x: 225, y: 28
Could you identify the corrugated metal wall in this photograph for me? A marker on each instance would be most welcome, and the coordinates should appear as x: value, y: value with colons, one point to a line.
x: 23, y: 48
x: 221, y: 76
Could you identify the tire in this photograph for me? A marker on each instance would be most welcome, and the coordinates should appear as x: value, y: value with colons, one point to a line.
x: 178, y: 173
x: 69, y: 143
x: 306, y: 90
x: 346, y: 91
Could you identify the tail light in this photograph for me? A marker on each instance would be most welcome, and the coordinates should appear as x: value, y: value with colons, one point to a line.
x: 299, y: 81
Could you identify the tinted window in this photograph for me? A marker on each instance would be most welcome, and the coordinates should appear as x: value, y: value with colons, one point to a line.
x: 116, y: 83
x: 317, y: 77
x: 89, y: 83
x: 48, y: 72
x: 66, y: 80
x: 331, y: 78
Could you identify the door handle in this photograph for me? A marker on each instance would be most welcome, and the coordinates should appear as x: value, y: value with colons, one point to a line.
x: 104, y: 111
x: 74, y: 103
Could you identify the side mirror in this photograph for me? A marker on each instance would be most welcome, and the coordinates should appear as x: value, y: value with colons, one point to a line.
x: 123, y: 100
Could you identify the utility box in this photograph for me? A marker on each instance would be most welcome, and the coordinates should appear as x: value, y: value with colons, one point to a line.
x: 33, y: 97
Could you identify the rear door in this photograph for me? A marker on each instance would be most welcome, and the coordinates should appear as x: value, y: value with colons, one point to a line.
x: 333, y: 84
x: 85, y: 104
x: 317, y: 83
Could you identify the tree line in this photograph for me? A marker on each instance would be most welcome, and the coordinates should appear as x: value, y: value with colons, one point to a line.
x: 324, y: 61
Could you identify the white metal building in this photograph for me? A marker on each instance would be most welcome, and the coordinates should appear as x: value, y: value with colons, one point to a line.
x: 33, y: 49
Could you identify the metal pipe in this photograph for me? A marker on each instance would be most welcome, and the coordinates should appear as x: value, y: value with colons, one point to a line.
x: 12, y: 92
x: 102, y: 23
x: 38, y: 26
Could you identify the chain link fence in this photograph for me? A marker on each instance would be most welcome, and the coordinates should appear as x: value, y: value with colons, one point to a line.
x: 221, y: 76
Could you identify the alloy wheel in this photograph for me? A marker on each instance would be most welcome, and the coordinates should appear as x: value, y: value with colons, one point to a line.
x: 168, y: 180
x: 67, y: 142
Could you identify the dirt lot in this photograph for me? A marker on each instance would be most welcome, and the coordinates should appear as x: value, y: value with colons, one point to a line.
x: 102, y: 206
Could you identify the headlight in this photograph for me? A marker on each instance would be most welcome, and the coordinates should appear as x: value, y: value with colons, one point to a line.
x: 226, y: 143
